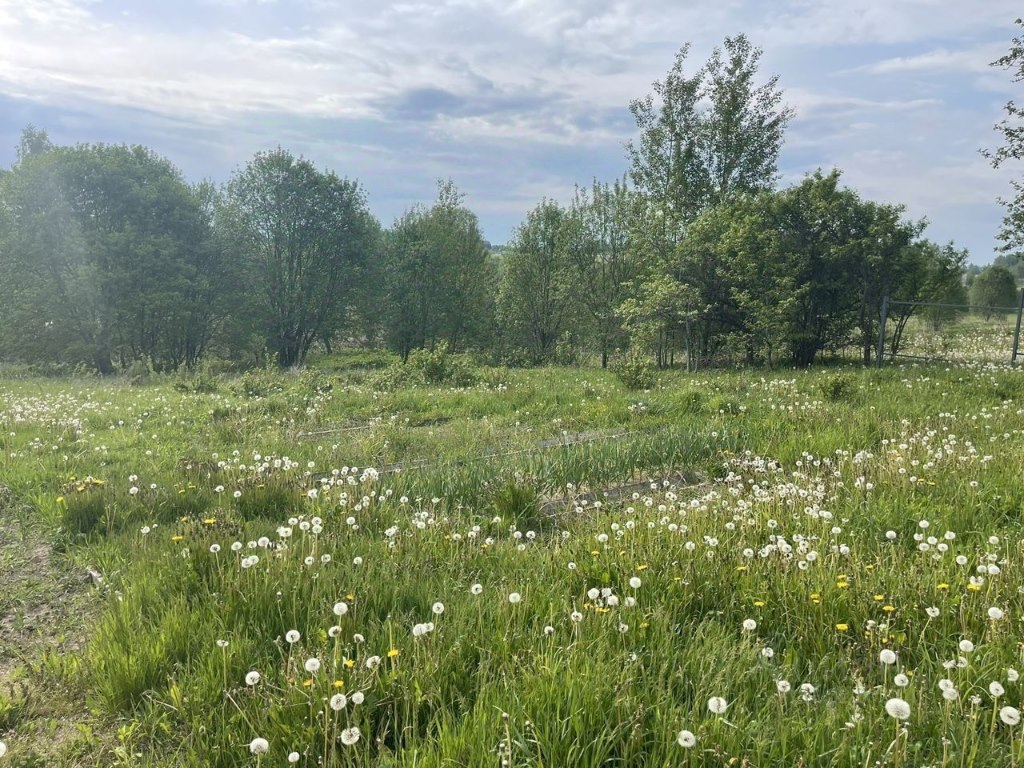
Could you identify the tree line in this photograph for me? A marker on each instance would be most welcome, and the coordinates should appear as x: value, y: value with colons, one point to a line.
x: 109, y: 256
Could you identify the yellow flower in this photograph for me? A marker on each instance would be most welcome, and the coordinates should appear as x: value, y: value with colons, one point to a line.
x: 350, y: 597
x: 879, y: 598
x: 642, y: 567
x: 594, y: 552
x: 209, y: 521
x: 339, y: 683
x: 644, y: 625
x: 393, y: 652
x: 177, y: 537
x: 842, y: 584
x: 869, y: 567
x: 888, y: 608
x: 307, y: 683
x: 60, y: 499
x: 759, y: 603
x: 943, y: 585
x: 740, y: 568
x: 974, y: 587
x: 350, y: 663
x: 842, y: 627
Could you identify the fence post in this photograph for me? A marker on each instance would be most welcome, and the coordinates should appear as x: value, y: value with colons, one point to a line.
x: 880, y: 356
x: 1016, y: 332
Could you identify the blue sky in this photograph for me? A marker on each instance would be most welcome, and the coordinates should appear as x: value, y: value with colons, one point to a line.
x: 514, y: 100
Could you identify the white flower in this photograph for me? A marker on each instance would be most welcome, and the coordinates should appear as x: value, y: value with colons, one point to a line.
x: 996, y: 689
x: 686, y: 739
x: 312, y: 665
x: 945, y: 684
x: 292, y: 636
x: 966, y: 646
x: 222, y: 643
x: 514, y: 598
x: 995, y: 613
x: 340, y: 608
x: 717, y: 705
x: 901, y: 680
x: 251, y: 678
x: 932, y: 611
x: 549, y: 630
x: 259, y: 746
x: 1012, y: 675
x: 887, y: 656
x: 3, y: 749
x: 357, y: 698
x: 350, y: 736
x: 635, y: 582
x: 476, y: 589
x: 897, y: 708
x: 783, y: 686
x: 749, y: 625
x: 338, y: 702
x: 437, y: 608
x: 593, y: 593
x: 950, y: 694
x: 576, y: 617
x: 294, y: 757
x: 1009, y: 715
x: 372, y: 662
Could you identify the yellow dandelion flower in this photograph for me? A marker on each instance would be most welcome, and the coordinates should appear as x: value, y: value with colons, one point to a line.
x: 842, y: 584
x: 350, y: 663
x: 842, y: 627
x: 339, y: 683
x: 741, y: 568
x: 177, y: 537
x: 350, y: 597
x: 642, y: 567
x: 594, y: 552
x: 943, y: 585
x: 60, y: 499
x: 759, y: 603
x: 209, y: 521
x: 393, y: 653
x: 888, y: 608
x: 974, y: 587
x: 307, y: 683
x: 869, y: 567
x: 879, y: 598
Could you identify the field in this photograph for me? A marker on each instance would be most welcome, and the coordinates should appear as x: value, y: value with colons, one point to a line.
x: 757, y: 568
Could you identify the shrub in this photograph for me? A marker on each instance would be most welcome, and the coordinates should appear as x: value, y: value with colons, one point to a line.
x: 634, y: 370
x: 259, y: 382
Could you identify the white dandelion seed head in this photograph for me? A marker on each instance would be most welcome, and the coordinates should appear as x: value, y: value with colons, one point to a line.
x: 437, y: 608
x: 292, y: 636
x: 476, y: 589
x: 338, y: 702
x: 717, y: 705
x: 259, y: 746
x: 312, y: 665
x: 995, y: 613
x: 252, y: 678
x: 514, y: 598
x: 1010, y: 716
x: 897, y: 708
x: 887, y: 656
x: 635, y: 582
x: 294, y: 757
x: 686, y: 739
x: 350, y: 736
x: 783, y: 686
x: 996, y: 689
x: 749, y: 625
x: 901, y: 680
x: 340, y: 608
x: 966, y: 646
x: 357, y: 698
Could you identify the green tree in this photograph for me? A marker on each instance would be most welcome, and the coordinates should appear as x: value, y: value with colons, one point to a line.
x: 303, y: 238
x: 536, y: 296
x: 704, y: 138
x: 602, y: 259
x: 439, y: 276
x: 1011, y: 129
x: 993, y: 290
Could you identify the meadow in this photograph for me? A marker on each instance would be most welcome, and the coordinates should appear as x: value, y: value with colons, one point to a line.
x: 539, y: 568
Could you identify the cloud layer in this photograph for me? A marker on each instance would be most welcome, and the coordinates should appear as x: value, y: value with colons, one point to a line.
x: 515, y: 100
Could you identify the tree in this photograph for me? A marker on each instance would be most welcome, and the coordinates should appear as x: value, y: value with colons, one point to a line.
x: 535, y: 298
x: 1012, y: 130
x: 439, y: 277
x: 303, y: 237
x: 601, y: 257
x: 706, y: 138
x: 994, y: 289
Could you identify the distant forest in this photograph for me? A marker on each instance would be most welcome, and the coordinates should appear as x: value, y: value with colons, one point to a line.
x: 109, y: 257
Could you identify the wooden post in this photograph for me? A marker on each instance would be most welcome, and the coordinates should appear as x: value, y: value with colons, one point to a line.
x: 1016, y: 332
x: 880, y: 356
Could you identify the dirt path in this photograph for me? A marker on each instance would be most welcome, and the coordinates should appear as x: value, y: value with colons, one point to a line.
x: 44, y: 615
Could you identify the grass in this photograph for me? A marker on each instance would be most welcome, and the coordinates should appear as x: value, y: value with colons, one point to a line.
x: 728, y: 534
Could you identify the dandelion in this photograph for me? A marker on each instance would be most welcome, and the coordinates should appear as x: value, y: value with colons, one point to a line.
x: 996, y: 689
x: 717, y: 705
x: 549, y: 630
x: 1009, y: 715
x: 686, y: 739
x: 222, y: 643
x: 932, y: 612
x: 259, y: 746
x: 3, y: 749
x: 1012, y: 675
x: 312, y: 665
x: 357, y: 698
x: 338, y: 702
x: 252, y: 678
x: 901, y: 680
x: 476, y: 589
x: 514, y: 598
x: 966, y: 646
x: 437, y: 608
x: 749, y: 625
x: 576, y: 617
x: 350, y: 736
x: 783, y: 686
x: 635, y: 582
x: 294, y: 757
x: 292, y: 636
x: 995, y: 613
x: 340, y: 608
x: 887, y: 656
x: 372, y: 662
x: 897, y: 708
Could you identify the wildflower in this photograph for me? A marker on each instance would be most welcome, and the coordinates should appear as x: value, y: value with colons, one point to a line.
x: 1009, y: 715
x: 357, y: 698
x: 932, y: 612
x: 294, y: 757
x: 966, y: 646
x: 252, y: 678
x: 995, y: 613
x: 3, y: 749
x: 1012, y: 675
x: 686, y: 739
x: 842, y: 627
x: 950, y: 694
x: 549, y: 630
x: 350, y: 736
x: 340, y: 608
x: 717, y: 705
x: 292, y: 636
x: 635, y: 582
x: 514, y: 598
x: 372, y: 662
x: 393, y: 653
x: 887, y: 656
x: 437, y: 608
x: 338, y: 702
x: 312, y: 665
x: 783, y: 686
x: 576, y: 617
x: 996, y: 689
x: 476, y: 589
x: 749, y: 625
x: 259, y: 746
x: 222, y: 643
x: 901, y: 680
x: 897, y: 708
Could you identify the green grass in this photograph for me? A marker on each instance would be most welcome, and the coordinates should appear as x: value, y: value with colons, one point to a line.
x: 732, y: 497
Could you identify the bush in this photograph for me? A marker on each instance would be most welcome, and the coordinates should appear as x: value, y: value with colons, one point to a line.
x: 838, y: 388
x: 429, y: 366
x: 634, y: 370
x: 259, y: 382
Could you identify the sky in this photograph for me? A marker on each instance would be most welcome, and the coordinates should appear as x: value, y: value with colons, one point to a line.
x: 516, y: 100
